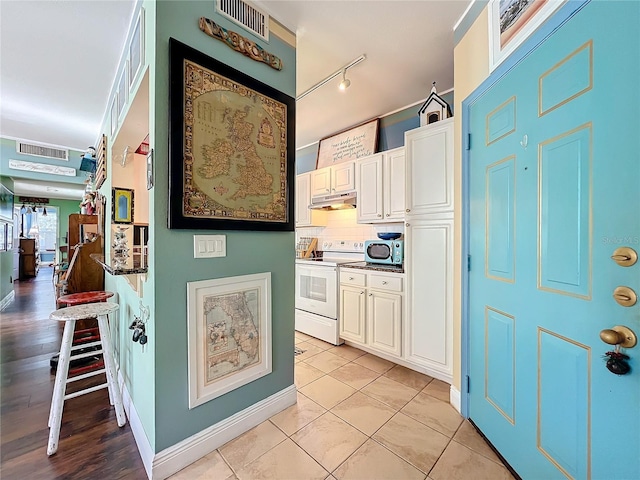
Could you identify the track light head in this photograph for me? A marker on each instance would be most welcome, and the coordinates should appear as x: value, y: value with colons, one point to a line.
x: 344, y: 84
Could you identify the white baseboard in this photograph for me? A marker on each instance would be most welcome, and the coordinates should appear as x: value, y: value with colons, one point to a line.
x: 178, y: 456
x: 144, y: 447
x: 7, y: 299
x: 454, y: 398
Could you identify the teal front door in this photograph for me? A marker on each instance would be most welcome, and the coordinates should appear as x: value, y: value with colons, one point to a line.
x: 554, y: 190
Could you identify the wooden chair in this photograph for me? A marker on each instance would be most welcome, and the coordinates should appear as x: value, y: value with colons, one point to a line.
x: 61, y: 275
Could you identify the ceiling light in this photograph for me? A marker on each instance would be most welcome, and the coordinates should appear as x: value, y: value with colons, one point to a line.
x: 344, y: 84
x: 326, y: 80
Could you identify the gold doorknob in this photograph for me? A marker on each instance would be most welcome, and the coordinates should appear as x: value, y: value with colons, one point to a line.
x: 619, y: 335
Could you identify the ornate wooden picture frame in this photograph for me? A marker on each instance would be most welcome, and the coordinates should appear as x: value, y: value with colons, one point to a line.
x: 232, y: 147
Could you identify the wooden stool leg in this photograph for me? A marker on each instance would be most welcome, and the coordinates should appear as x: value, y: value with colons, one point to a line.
x: 112, y: 377
x: 57, y: 402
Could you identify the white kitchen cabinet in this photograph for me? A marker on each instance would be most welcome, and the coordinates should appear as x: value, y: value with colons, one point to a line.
x: 428, y: 333
x: 371, y: 306
x: 335, y: 179
x: 305, y: 217
x: 352, y: 314
x: 429, y: 169
x: 380, y: 180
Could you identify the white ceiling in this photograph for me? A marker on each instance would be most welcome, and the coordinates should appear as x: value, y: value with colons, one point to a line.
x: 58, y: 61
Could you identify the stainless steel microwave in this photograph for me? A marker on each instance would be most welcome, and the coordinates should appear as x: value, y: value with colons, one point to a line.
x: 386, y: 252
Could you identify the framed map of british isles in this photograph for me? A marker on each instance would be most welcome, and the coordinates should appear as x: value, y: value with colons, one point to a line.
x: 231, y: 147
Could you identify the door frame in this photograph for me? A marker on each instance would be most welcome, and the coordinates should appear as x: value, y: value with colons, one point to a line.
x: 562, y: 15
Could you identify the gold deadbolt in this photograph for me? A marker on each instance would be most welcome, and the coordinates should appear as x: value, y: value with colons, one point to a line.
x: 625, y: 296
x: 619, y: 335
x: 625, y: 256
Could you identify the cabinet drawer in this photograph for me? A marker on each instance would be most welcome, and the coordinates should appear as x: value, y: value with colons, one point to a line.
x: 353, y: 278
x: 383, y: 282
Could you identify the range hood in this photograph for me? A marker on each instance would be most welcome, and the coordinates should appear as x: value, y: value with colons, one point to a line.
x: 334, y: 202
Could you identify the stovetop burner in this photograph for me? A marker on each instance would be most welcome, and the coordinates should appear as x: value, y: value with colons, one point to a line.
x: 336, y: 252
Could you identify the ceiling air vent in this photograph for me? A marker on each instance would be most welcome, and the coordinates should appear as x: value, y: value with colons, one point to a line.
x: 39, y: 150
x: 245, y: 14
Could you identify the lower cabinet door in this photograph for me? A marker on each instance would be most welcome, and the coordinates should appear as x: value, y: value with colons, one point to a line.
x: 352, y: 319
x: 385, y: 322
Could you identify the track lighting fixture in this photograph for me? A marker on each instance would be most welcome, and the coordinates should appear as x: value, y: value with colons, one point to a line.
x: 343, y: 84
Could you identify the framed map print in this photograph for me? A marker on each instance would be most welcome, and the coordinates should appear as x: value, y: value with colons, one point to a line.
x: 229, y: 334
x: 231, y: 150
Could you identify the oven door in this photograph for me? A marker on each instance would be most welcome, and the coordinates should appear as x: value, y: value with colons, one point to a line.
x: 317, y: 289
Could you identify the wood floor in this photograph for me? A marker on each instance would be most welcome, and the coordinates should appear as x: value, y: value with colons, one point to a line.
x: 91, y: 444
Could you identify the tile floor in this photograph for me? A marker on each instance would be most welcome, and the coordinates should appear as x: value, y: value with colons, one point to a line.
x: 357, y: 417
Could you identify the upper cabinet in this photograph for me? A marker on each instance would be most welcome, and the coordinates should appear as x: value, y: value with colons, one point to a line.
x: 335, y: 179
x: 305, y: 217
x: 429, y: 169
x: 380, y: 183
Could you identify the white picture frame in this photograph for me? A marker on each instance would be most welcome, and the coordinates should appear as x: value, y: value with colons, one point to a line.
x: 136, y: 50
x: 221, y: 360
x: 508, y: 33
x: 123, y: 90
x: 114, y: 114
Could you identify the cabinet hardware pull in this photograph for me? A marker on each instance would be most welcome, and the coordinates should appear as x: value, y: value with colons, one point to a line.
x: 362, y: 292
x: 408, y: 224
x: 388, y: 215
x: 384, y: 283
x: 408, y: 210
x: 379, y: 215
x: 371, y: 294
x: 350, y: 278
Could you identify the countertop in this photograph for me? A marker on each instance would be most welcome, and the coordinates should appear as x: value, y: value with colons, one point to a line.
x: 374, y: 266
x: 136, y: 263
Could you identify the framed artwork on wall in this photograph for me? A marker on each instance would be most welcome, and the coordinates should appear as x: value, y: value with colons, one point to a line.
x: 136, y: 50
x: 231, y: 147
x: 122, y: 205
x: 511, y: 22
x: 229, y: 334
x: 351, y: 144
x: 6, y: 203
x: 150, y: 175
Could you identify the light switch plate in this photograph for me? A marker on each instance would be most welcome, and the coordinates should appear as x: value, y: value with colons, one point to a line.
x: 209, y: 246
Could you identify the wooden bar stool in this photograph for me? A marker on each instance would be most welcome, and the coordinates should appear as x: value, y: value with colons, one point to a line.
x: 101, y: 311
x: 84, y: 334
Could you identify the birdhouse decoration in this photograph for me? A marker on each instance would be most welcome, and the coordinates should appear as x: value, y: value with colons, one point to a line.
x: 434, y: 108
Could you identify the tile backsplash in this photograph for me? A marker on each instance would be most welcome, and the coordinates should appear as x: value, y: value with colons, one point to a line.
x: 342, y: 225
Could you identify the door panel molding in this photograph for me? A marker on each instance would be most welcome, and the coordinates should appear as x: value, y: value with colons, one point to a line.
x: 565, y: 213
x: 564, y: 380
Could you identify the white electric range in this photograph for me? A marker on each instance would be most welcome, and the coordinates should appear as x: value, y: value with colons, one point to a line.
x: 317, y: 283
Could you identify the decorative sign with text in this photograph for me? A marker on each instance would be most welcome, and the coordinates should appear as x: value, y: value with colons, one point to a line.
x: 357, y: 142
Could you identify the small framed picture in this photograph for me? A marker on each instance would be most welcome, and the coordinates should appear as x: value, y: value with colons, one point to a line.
x: 122, y: 205
x: 114, y: 114
x: 9, y: 236
x: 511, y: 22
x: 3, y: 237
x: 136, y: 50
x: 123, y: 90
x: 150, y: 169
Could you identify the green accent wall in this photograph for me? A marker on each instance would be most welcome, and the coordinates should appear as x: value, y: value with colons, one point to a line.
x: 6, y: 258
x: 247, y: 252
